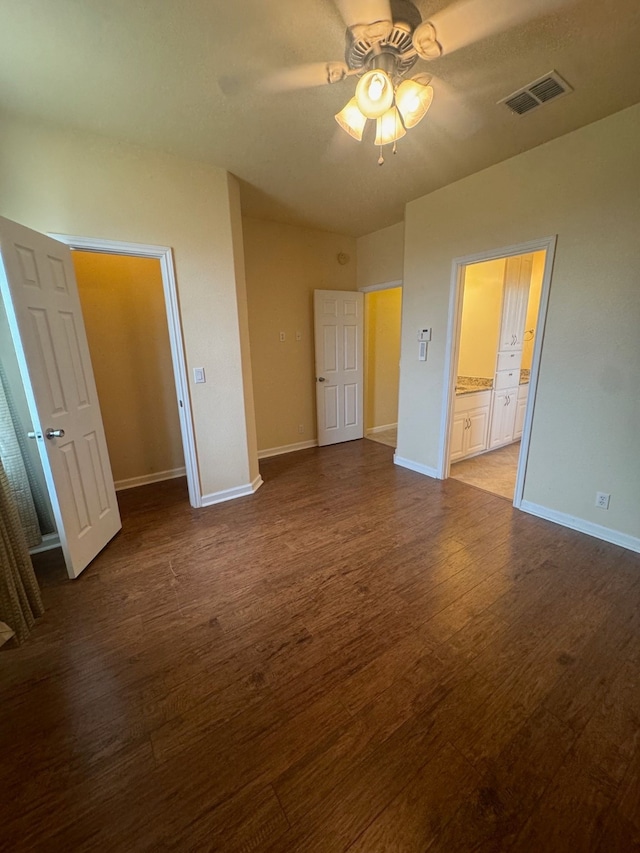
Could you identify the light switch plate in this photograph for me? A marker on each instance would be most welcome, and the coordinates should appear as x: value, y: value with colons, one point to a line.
x: 198, y: 375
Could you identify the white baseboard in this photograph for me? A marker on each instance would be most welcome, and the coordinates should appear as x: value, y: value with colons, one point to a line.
x: 49, y: 542
x: 374, y: 430
x: 132, y: 482
x: 232, y: 494
x: 588, y: 527
x: 415, y: 466
x: 286, y: 448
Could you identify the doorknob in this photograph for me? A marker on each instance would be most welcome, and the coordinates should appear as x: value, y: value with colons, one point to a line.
x: 54, y: 433
x: 321, y: 379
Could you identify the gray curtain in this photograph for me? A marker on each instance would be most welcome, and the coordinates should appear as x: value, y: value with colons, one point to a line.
x: 20, y: 601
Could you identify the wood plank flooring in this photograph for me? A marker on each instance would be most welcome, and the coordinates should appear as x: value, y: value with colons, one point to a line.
x: 356, y: 658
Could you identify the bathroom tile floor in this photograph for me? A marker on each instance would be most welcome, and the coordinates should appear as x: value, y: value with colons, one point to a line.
x: 387, y: 436
x: 494, y: 471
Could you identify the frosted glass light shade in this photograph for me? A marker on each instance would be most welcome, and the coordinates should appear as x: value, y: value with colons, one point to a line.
x: 351, y: 119
x: 374, y: 93
x: 389, y: 128
x: 413, y: 100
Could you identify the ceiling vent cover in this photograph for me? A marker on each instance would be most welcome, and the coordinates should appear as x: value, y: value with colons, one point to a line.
x: 535, y: 94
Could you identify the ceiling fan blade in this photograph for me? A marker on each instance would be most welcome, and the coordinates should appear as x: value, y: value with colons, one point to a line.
x: 467, y: 21
x: 370, y: 19
x: 304, y: 76
x: 356, y: 12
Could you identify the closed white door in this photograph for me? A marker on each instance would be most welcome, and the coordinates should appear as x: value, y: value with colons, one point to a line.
x: 339, y: 330
x: 40, y: 295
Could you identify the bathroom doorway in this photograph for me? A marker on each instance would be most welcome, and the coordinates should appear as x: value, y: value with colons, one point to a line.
x: 499, y: 323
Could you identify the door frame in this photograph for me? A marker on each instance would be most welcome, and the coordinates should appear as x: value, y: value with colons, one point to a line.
x: 165, y: 255
x: 547, y: 244
x: 373, y: 288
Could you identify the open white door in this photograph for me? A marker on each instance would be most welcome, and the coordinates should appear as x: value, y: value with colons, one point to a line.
x: 339, y: 328
x: 39, y: 290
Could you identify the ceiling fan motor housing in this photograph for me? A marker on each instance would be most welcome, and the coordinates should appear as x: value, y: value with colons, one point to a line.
x: 394, y: 52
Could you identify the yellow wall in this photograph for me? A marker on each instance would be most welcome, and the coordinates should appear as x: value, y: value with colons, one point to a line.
x: 125, y: 319
x: 380, y: 256
x: 533, y: 305
x: 284, y: 265
x: 68, y: 182
x: 382, y: 356
x: 583, y: 187
x: 481, y: 316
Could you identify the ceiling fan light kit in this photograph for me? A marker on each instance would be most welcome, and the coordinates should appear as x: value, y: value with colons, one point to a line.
x: 389, y: 128
x: 374, y: 93
x: 413, y: 100
x: 383, y: 52
x: 351, y: 119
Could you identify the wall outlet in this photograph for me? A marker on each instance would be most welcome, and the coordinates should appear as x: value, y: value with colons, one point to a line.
x: 301, y: 428
x: 602, y: 500
x: 282, y: 337
x: 298, y: 336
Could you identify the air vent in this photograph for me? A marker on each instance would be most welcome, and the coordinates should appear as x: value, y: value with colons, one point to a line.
x: 536, y: 94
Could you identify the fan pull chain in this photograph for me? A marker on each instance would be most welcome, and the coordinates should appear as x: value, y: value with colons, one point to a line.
x: 380, y: 158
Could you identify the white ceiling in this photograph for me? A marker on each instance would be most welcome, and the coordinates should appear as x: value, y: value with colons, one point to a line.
x: 179, y: 76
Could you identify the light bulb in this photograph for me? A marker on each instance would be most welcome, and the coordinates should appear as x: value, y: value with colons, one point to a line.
x: 374, y: 93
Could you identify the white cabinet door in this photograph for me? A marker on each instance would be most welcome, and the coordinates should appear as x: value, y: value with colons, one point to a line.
x: 477, y: 431
x: 503, y: 417
x: 458, y: 433
x: 470, y: 427
x: 521, y: 408
x: 514, y: 307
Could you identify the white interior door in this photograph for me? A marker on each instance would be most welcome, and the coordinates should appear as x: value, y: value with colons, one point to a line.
x: 39, y: 290
x: 339, y: 329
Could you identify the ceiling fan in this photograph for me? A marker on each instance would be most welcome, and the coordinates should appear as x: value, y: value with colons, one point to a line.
x: 384, y: 41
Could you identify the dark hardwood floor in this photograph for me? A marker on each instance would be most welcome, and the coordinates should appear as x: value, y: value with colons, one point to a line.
x: 356, y: 658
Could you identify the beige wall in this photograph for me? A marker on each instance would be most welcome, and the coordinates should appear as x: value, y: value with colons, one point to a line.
x: 66, y: 182
x: 533, y: 306
x: 585, y: 188
x: 481, y: 316
x: 126, y: 322
x: 380, y: 256
x: 382, y: 356
x: 284, y: 265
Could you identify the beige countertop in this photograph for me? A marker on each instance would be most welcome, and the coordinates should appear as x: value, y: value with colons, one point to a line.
x: 475, y: 384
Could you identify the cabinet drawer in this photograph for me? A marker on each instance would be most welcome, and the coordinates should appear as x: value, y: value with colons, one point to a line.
x: 507, y: 379
x: 509, y: 360
x: 475, y: 400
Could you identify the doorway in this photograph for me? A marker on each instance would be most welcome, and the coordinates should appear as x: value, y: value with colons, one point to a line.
x: 496, y: 332
x: 126, y: 324
x: 383, y: 317
x: 163, y: 256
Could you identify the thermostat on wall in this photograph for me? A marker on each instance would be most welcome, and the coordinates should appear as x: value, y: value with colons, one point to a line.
x: 424, y: 334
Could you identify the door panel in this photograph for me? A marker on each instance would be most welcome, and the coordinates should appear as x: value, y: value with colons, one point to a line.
x: 38, y: 288
x: 339, y: 325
